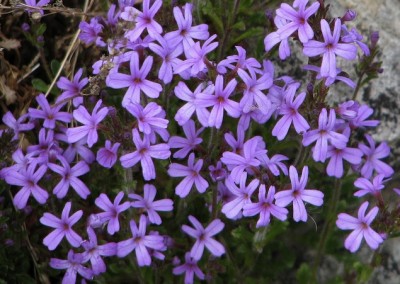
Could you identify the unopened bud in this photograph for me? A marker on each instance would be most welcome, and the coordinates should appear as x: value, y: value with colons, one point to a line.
x: 269, y: 13
x: 112, y: 111
x: 25, y: 27
x: 349, y: 16
x: 374, y: 38
x: 125, y: 3
x: 310, y: 88
x: 95, y: 221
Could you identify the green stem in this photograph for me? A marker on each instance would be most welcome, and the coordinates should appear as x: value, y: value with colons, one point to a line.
x: 42, y: 278
x: 328, y: 226
x: 45, y: 64
x: 358, y: 86
x: 214, y: 203
x: 228, y: 28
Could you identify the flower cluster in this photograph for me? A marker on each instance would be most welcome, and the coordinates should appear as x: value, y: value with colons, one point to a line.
x: 186, y: 121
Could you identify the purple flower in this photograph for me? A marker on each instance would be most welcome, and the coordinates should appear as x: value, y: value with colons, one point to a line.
x: 337, y: 155
x: 330, y: 48
x: 203, y: 237
x: 147, y: 117
x: 220, y: 101
x: 62, y: 228
x: 147, y: 203
x: 48, y: 113
x: 191, y: 174
x: 140, y: 242
x: 28, y: 178
x: 94, y: 252
x: 217, y: 172
x: 145, y: 20
x: 253, y: 94
x: 298, y: 194
x: 288, y: 21
x: 186, y: 33
x: 236, y: 144
x: 136, y: 81
x: 297, y: 20
x: 89, y: 130
x: 169, y: 55
x: 329, y: 80
x: 250, y: 64
x: 72, y: 89
x: 241, y: 195
x: 107, y: 156
x: 324, y: 134
x: 363, y: 112
x: 73, y: 265
x: 275, y: 163
x: 186, y: 111
x: 361, y: 228
x: 290, y: 112
x: 190, y: 269
x: 16, y: 124
x: 354, y: 37
x: 144, y: 153
x: 21, y: 161
x: 366, y: 186
x: 70, y: 178
x: 265, y: 207
x: 186, y: 144
x: 90, y: 32
x: 251, y: 156
x: 373, y: 155
x: 37, y: 5
x: 196, y: 57
x: 111, y: 211
x: 47, y: 148
x: 78, y: 148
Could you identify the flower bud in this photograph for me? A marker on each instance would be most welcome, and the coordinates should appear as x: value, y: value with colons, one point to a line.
x: 374, y: 38
x: 125, y: 3
x: 25, y: 27
x: 349, y: 16
x: 95, y: 221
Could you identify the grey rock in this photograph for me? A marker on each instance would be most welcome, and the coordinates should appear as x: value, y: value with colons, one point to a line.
x: 383, y: 94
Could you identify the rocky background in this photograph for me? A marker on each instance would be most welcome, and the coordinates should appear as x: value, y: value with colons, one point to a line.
x: 383, y: 94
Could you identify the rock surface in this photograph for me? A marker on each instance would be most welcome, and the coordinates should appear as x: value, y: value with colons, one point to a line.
x: 383, y: 94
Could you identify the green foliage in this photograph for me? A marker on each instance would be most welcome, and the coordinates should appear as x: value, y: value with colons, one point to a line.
x: 42, y: 87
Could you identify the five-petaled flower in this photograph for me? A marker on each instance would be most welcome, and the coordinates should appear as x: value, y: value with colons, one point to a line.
x: 203, y: 237
x: 361, y: 228
x: 62, y: 228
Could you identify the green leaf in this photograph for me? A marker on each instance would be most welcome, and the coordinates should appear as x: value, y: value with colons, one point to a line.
x: 39, y: 85
x: 304, y: 274
x: 41, y: 29
x: 252, y: 32
x: 209, y: 11
x: 55, y: 66
x: 240, y: 26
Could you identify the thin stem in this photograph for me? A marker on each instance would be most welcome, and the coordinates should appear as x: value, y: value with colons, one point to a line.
x: 328, y: 226
x: 214, y: 203
x: 71, y: 47
x: 45, y: 64
x: 299, y: 154
x: 228, y: 28
x: 42, y: 278
x: 358, y: 86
